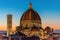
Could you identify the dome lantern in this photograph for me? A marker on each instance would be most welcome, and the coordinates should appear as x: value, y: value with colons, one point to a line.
x: 30, y: 6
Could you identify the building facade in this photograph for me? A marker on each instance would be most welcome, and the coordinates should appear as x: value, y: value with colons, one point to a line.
x: 31, y: 24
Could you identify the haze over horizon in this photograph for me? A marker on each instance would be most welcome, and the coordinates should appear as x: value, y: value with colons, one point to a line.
x: 49, y: 11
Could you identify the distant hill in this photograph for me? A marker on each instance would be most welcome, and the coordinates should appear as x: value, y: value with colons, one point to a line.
x: 3, y: 32
x: 56, y: 31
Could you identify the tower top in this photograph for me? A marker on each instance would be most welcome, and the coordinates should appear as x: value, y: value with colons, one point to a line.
x: 30, y: 5
x: 10, y: 14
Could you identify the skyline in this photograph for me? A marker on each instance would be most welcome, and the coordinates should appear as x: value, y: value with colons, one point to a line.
x: 49, y: 11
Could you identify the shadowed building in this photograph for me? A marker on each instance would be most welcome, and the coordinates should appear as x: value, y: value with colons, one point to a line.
x: 49, y: 31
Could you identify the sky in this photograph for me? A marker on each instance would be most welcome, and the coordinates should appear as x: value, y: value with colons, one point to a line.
x: 49, y: 11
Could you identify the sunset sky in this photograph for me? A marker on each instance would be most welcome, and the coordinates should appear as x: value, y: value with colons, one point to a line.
x: 49, y: 11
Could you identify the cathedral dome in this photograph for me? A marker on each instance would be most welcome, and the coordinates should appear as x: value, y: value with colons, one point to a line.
x: 30, y: 16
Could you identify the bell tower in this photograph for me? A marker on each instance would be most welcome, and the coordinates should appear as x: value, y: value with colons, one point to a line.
x: 9, y: 24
